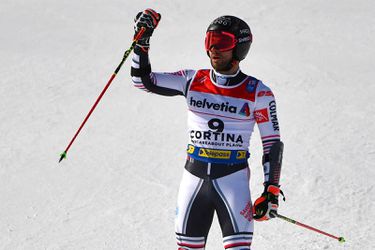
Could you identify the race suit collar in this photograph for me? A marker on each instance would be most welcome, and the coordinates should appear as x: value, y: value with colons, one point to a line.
x: 227, y: 80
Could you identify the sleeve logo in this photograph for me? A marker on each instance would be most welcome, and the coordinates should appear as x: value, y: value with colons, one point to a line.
x: 265, y: 93
x: 261, y: 115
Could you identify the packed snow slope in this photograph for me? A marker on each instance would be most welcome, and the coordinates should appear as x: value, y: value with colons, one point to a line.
x: 118, y: 186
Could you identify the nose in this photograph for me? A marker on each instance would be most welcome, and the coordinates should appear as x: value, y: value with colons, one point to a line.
x: 214, y: 49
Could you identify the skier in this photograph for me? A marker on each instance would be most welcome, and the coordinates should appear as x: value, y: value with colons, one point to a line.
x: 223, y: 106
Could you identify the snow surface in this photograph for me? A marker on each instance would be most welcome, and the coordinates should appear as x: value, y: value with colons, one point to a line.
x: 117, y: 189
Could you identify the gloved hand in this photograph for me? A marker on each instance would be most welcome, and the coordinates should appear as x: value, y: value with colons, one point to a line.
x: 148, y: 19
x: 267, y: 203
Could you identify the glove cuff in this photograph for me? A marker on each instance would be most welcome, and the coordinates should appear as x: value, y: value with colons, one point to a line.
x: 275, y: 190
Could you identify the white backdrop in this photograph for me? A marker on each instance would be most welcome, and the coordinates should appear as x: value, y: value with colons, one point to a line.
x: 117, y: 188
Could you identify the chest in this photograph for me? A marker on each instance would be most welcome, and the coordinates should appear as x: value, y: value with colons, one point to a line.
x: 236, y: 102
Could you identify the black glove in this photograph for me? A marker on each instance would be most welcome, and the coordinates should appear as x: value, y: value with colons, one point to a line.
x: 266, y: 205
x: 149, y: 19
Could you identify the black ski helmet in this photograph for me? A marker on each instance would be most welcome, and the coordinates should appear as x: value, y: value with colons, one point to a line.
x: 239, y: 29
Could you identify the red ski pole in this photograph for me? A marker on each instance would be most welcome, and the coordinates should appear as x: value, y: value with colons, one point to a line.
x: 340, y: 239
x: 126, y: 54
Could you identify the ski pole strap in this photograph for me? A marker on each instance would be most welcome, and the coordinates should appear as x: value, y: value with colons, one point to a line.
x: 282, y: 194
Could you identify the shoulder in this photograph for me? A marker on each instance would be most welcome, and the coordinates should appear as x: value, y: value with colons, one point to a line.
x: 259, y: 86
x: 253, y: 85
x: 263, y: 90
x: 258, y: 89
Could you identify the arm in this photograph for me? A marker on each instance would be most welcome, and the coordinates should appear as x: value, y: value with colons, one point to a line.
x: 167, y: 84
x: 268, y: 124
x: 265, y: 114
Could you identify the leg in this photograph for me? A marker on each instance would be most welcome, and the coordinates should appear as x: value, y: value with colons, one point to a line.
x: 194, y: 213
x: 234, y: 209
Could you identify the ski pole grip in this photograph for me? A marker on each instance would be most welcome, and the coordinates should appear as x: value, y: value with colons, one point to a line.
x: 139, y: 34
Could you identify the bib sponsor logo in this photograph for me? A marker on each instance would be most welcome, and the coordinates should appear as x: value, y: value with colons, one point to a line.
x: 241, y: 155
x: 214, y: 153
x: 224, y: 106
x: 216, y: 136
x: 245, y: 110
x: 190, y: 149
x: 261, y: 115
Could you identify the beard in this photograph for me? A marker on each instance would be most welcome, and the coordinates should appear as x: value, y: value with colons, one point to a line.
x: 221, y: 65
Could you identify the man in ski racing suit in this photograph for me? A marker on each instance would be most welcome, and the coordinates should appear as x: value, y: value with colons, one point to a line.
x: 223, y: 106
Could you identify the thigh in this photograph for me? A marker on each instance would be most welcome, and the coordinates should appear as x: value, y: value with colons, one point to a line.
x: 233, y: 203
x: 194, y: 211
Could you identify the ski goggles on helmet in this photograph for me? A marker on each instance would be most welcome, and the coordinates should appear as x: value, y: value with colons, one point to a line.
x: 221, y: 40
